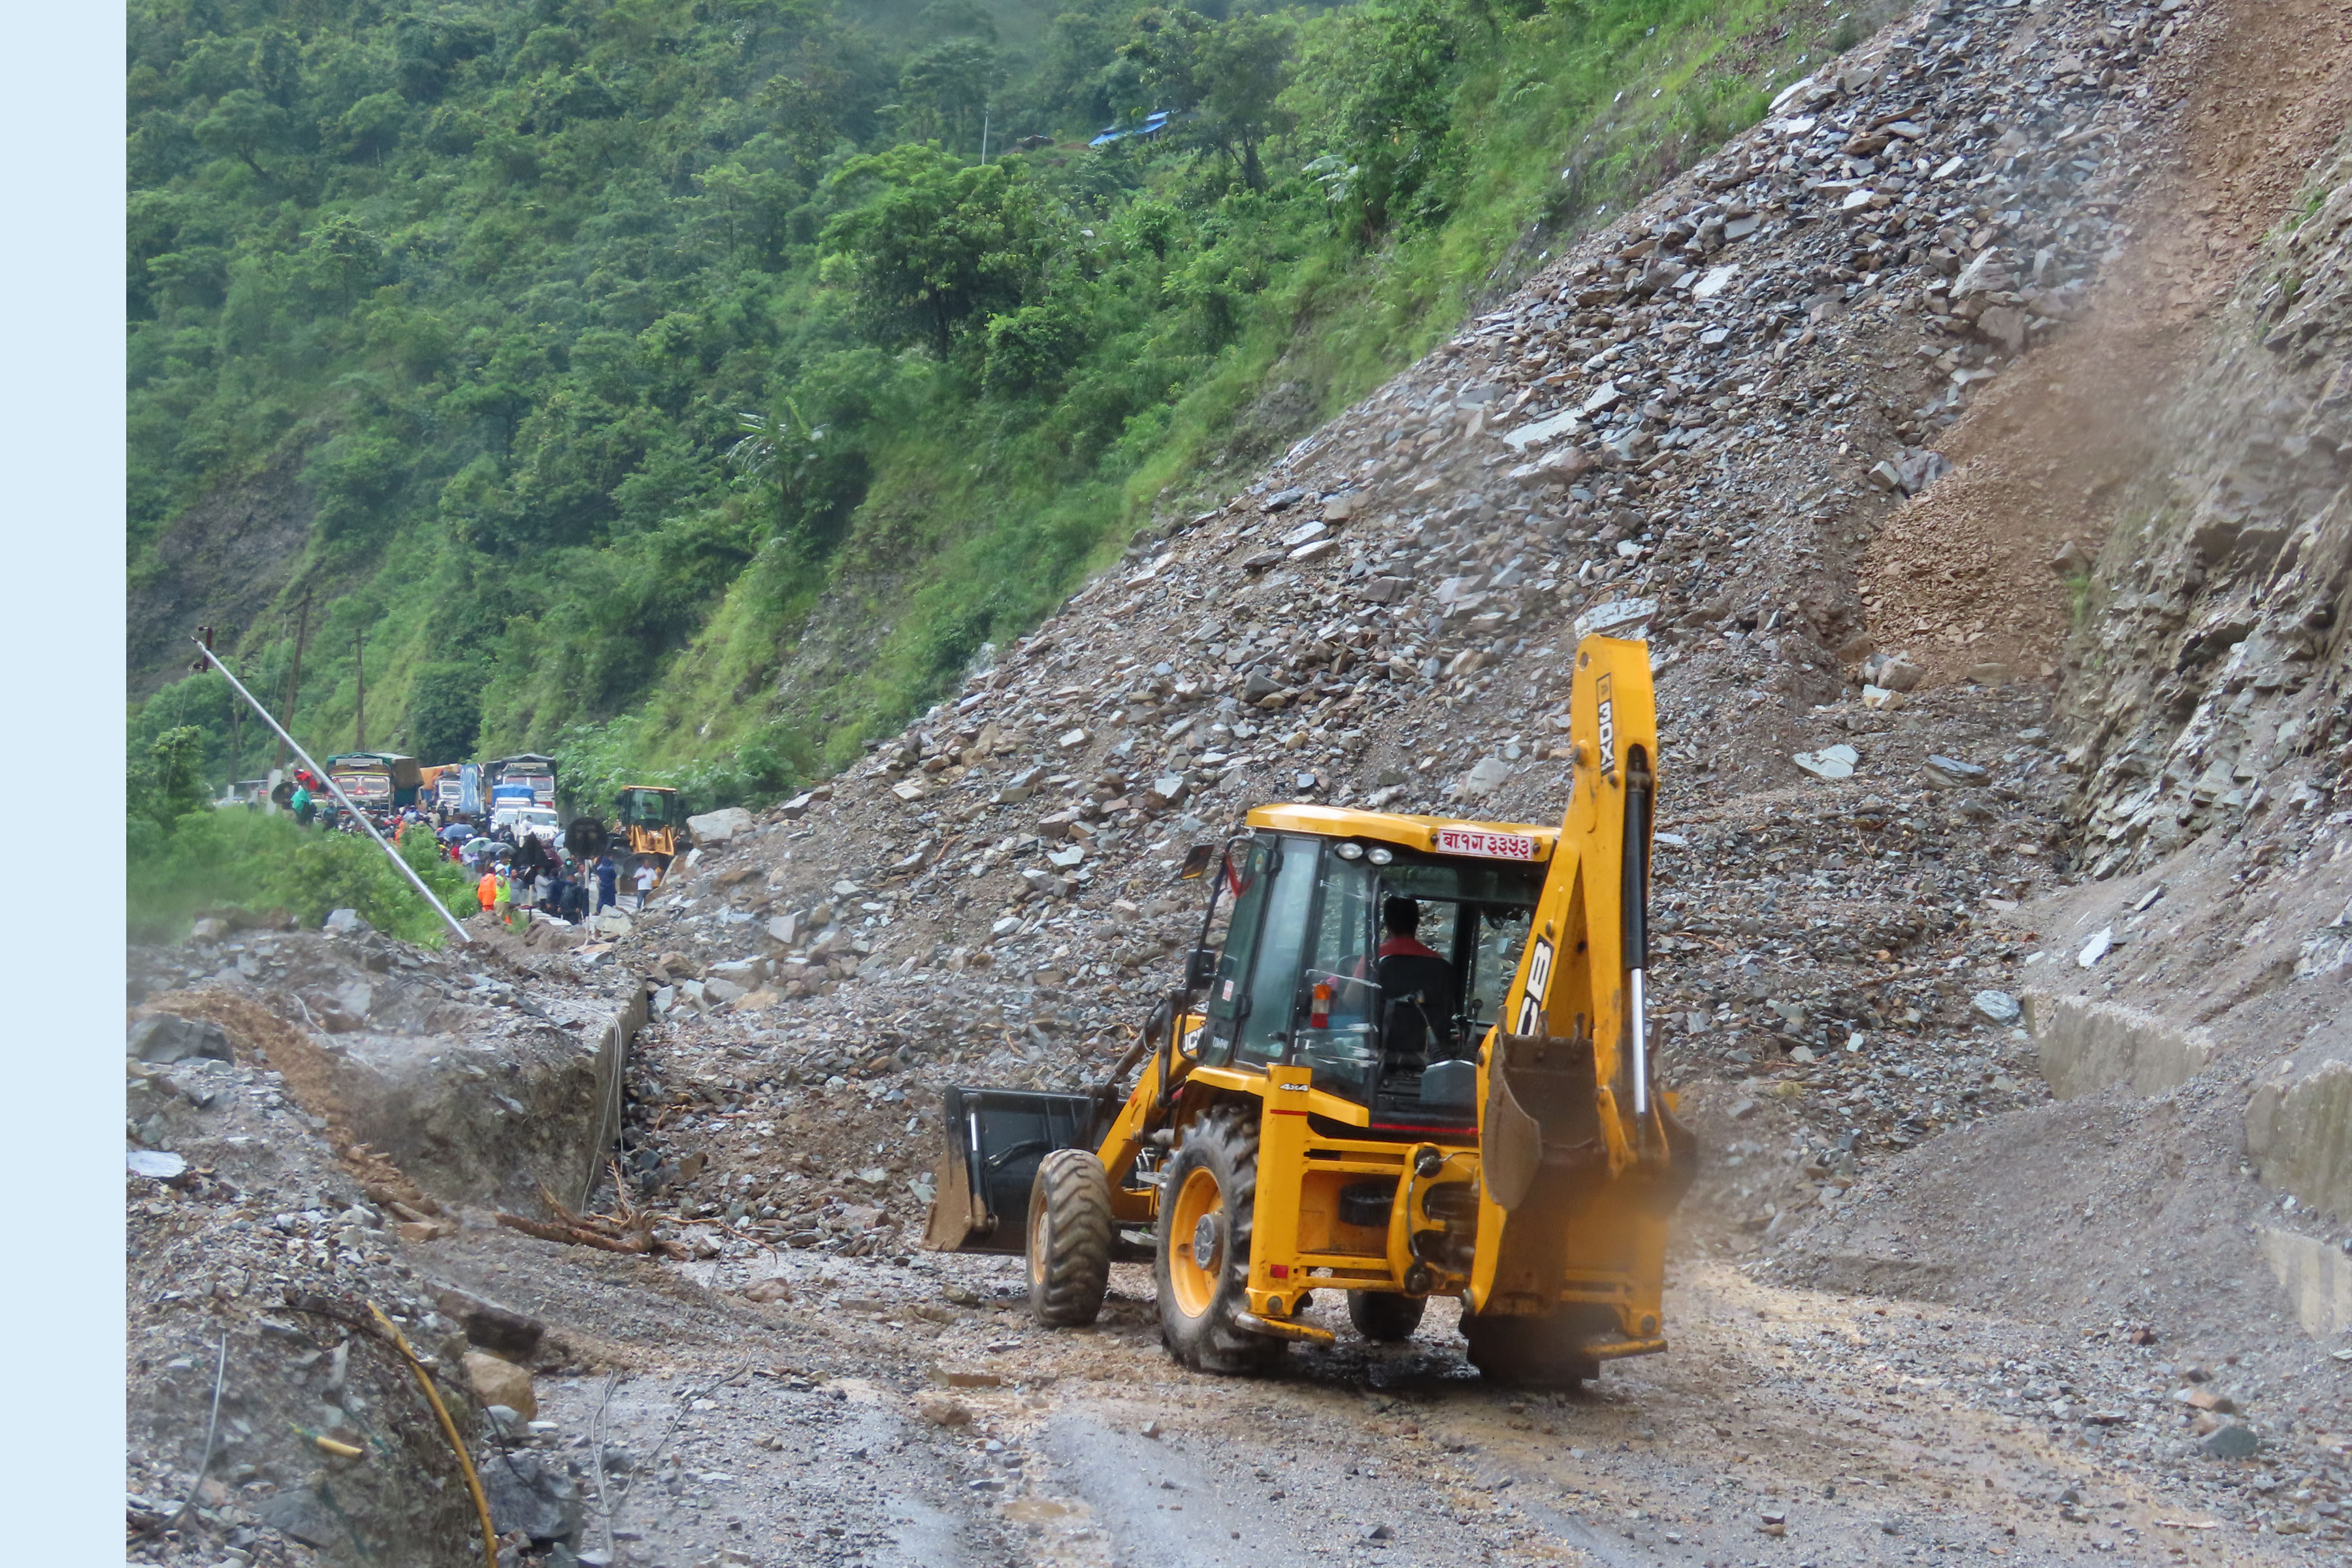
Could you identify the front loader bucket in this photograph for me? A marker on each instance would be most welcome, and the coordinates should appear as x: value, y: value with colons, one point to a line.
x: 995, y: 1138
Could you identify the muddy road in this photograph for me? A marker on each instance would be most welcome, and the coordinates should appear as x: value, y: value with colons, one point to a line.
x: 909, y: 1413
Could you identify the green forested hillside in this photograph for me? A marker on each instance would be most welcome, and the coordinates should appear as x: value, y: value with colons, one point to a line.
x: 595, y: 355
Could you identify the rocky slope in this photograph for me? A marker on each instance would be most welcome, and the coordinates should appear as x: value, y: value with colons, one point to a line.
x: 1715, y: 405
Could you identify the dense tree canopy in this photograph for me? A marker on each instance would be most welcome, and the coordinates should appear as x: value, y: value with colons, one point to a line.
x: 604, y: 349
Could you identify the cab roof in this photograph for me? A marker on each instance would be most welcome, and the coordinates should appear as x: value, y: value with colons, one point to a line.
x: 1419, y: 833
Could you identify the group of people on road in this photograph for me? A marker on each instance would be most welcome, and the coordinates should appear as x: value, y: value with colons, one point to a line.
x: 547, y: 877
x: 518, y: 872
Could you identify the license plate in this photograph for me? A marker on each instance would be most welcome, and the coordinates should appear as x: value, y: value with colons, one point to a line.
x: 1492, y: 846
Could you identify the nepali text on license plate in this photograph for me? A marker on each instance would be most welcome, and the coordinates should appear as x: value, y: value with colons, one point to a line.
x: 1492, y: 845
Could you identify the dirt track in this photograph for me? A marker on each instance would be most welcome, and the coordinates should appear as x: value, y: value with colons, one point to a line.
x: 1863, y: 1428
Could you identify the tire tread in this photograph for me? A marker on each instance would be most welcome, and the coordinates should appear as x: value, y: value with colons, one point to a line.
x: 1231, y: 1134
x: 1075, y: 1195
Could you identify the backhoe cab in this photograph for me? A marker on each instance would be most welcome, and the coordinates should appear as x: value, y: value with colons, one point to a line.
x: 1414, y: 1063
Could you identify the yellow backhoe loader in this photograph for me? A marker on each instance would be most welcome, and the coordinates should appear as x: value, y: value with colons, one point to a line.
x: 647, y: 819
x: 1409, y: 1059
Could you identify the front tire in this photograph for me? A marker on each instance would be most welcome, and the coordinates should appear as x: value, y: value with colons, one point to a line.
x: 1069, y: 1239
x: 1207, y: 1205
x: 1529, y: 1352
x: 1385, y: 1317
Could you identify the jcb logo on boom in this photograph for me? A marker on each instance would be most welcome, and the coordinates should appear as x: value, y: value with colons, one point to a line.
x: 1538, y: 982
x: 1608, y: 727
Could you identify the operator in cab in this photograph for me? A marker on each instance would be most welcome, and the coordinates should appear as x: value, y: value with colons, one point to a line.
x: 1417, y: 988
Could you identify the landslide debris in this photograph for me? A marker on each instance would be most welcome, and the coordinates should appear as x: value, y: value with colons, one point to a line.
x: 310, y: 1115
x: 1875, y: 847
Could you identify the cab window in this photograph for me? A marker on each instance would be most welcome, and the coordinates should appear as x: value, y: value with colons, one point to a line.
x: 1340, y: 963
x: 1264, y: 1024
x: 1502, y: 937
x: 1250, y: 870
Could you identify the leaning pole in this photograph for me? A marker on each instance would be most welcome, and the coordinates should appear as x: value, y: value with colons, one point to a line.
x: 382, y: 843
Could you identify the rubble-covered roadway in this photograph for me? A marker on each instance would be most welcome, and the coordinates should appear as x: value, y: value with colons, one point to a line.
x: 1920, y: 1307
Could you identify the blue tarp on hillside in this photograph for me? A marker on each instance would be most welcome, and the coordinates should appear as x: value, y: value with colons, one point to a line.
x: 1152, y: 126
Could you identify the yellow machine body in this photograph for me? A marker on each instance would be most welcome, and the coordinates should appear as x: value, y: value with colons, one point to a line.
x: 649, y: 820
x: 1540, y: 1189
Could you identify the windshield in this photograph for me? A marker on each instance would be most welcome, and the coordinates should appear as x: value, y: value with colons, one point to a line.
x: 1475, y: 915
x: 1338, y: 980
x: 1502, y: 936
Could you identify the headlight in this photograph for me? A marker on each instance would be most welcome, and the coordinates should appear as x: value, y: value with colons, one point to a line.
x: 1381, y: 856
x: 1350, y: 851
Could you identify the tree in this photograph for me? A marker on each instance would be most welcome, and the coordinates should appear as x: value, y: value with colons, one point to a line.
x: 935, y: 248
x: 1030, y: 347
x: 171, y: 783
x: 1245, y: 65
x: 444, y: 711
x: 1226, y: 77
x: 372, y: 127
x: 945, y: 90
x: 242, y: 124
x: 343, y: 257
x: 1388, y: 124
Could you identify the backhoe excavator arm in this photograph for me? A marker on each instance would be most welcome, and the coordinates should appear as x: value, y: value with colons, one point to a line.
x: 1577, y: 1149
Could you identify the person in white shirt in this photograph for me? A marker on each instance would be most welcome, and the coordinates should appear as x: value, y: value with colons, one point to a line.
x: 646, y: 876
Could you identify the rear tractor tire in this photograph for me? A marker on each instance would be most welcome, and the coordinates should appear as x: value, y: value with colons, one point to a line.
x: 1385, y: 1317
x: 1207, y: 1205
x: 1529, y: 1352
x: 1070, y: 1233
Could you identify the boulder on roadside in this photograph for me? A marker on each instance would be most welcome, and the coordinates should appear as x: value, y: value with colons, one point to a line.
x: 1950, y: 772
x: 718, y: 826
x: 2234, y: 1441
x: 491, y: 1326
x: 164, y: 1037
x: 941, y: 1411
x: 531, y: 1494
x: 496, y: 1380
x: 1897, y: 673
x: 1486, y: 778
x: 1994, y: 1006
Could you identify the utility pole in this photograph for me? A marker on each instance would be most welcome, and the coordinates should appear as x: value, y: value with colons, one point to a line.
x: 359, y: 720
x: 293, y: 682
x: 402, y: 867
x: 984, y: 138
x: 202, y: 665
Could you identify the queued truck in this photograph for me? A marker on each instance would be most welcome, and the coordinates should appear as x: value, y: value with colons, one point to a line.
x: 376, y: 779
x: 525, y: 769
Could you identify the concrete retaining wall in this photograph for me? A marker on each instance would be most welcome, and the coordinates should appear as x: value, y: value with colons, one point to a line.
x: 2087, y: 1045
x: 493, y: 1117
x: 2317, y: 1277
x: 612, y: 1073
x: 2298, y: 1122
x: 2299, y: 1130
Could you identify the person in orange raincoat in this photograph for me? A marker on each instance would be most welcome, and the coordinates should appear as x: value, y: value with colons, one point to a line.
x: 487, y: 891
